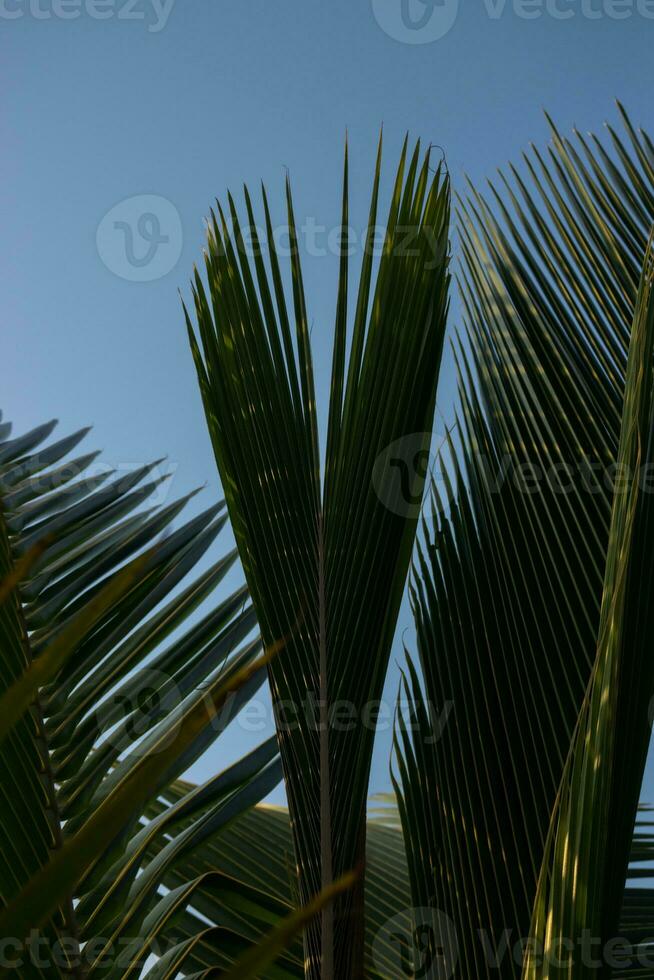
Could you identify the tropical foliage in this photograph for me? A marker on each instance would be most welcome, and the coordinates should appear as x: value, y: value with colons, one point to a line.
x: 514, y: 845
x: 107, y: 700
x: 531, y: 597
x: 325, y: 563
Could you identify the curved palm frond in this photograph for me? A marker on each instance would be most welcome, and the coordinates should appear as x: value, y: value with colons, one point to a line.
x: 256, y: 850
x: 587, y: 851
x: 106, y: 699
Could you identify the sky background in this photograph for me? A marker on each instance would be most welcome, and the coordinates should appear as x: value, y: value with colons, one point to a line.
x: 183, y: 102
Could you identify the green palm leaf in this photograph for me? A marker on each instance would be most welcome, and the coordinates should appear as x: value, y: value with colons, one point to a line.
x: 508, y: 581
x: 256, y: 851
x: 325, y: 565
x: 106, y: 698
x: 587, y: 850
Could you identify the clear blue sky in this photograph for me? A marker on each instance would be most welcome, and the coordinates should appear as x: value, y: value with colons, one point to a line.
x: 181, y: 102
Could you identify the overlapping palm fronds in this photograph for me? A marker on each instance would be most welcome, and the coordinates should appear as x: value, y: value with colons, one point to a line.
x: 256, y: 851
x: 511, y: 576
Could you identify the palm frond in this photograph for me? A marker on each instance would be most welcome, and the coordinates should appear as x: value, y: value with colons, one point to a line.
x: 256, y: 853
x: 508, y: 582
x: 107, y: 697
x: 587, y: 850
x: 638, y: 903
x: 325, y: 566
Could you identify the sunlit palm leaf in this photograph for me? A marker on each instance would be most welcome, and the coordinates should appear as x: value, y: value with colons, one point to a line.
x: 586, y: 855
x: 250, y: 965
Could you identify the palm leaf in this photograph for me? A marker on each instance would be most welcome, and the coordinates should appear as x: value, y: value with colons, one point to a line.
x: 107, y: 698
x: 259, y: 957
x: 585, y: 863
x: 256, y: 852
x: 325, y: 566
x: 638, y: 904
x: 508, y: 582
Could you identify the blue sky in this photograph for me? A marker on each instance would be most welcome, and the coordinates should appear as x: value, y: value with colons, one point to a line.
x: 173, y: 100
